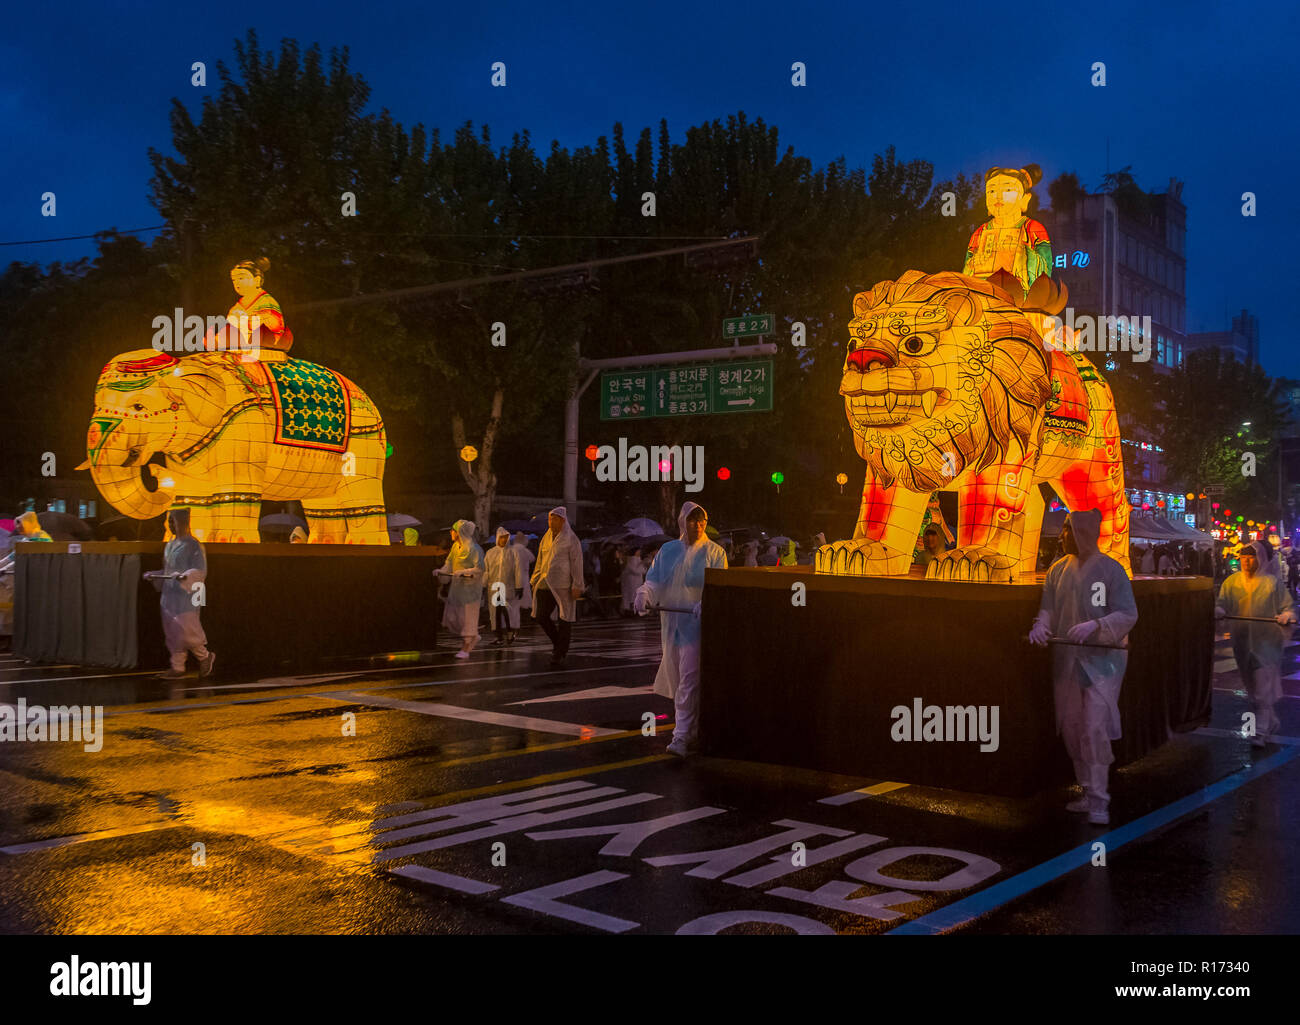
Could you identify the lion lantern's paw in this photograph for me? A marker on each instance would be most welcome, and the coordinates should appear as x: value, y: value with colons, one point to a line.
x: 976, y: 563
x: 861, y: 557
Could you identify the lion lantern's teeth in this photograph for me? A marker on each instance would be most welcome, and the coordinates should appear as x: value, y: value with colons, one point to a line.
x: 929, y: 400
x: 891, y: 400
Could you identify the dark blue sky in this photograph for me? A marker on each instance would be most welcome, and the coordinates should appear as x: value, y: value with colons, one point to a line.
x: 1204, y: 92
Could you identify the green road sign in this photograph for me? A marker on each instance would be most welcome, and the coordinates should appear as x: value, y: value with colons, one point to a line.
x: 626, y: 395
x: 681, y: 391
x: 737, y: 387
x: 743, y: 327
x: 740, y: 387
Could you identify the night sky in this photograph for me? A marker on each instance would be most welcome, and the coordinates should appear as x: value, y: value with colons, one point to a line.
x: 1203, y: 92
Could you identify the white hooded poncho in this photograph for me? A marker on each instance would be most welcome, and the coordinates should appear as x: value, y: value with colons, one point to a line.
x: 460, y: 611
x: 676, y: 580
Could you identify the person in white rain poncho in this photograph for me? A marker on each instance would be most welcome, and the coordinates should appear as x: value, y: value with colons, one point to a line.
x: 630, y: 578
x: 526, y: 560
x: 1253, y: 592
x: 464, y: 567
x: 676, y: 580
x: 185, y: 565
x: 1087, y: 600
x: 557, y: 583
x: 504, y: 583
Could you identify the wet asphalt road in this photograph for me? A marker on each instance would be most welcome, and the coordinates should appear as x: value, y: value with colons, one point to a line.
x: 472, y: 797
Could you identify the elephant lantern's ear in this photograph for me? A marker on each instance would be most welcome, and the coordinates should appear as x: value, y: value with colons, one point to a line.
x: 202, y: 395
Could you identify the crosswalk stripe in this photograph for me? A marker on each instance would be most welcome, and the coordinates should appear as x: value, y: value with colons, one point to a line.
x: 479, y: 715
x: 875, y: 790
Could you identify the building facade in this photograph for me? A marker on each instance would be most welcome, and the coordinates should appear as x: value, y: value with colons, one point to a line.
x: 1241, y: 341
x: 1123, y: 254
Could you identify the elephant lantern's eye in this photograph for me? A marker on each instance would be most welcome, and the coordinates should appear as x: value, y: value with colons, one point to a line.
x: 919, y: 344
x: 138, y: 407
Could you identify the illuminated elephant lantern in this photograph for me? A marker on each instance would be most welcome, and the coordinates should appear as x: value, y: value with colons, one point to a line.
x: 949, y: 386
x: 217, y: 434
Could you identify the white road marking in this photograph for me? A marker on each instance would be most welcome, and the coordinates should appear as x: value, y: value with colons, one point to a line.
x: 543, y: 899
x: 519, y: 722
x: 593, y: 694
x: 857, y: 795
x: 100, y: 676
x: 76, y: 838
x: 436, y: 878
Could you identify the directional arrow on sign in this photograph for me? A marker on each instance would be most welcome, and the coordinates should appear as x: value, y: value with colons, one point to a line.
x: 741, y: 402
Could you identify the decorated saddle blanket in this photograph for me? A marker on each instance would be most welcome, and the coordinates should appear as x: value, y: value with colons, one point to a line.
x: 1067, y: 409
x: 312, y: 408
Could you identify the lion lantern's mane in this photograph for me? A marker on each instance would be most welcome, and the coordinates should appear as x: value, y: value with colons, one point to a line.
x: 1003, y: 382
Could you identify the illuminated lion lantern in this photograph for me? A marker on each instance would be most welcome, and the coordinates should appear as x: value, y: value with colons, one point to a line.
x: 948, y: 386
x: 217, y: 433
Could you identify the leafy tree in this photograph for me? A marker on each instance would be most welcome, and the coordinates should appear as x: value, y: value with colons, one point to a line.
x: 1206, y: 405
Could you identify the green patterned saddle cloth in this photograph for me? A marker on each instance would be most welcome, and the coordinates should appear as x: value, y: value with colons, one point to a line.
x: 312, y: 409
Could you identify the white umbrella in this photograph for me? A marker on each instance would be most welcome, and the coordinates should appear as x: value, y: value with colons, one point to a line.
x: 398, y: 521
x: 643, y: 527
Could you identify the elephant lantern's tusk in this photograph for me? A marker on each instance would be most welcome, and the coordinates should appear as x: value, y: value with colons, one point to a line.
x: 85, y: 465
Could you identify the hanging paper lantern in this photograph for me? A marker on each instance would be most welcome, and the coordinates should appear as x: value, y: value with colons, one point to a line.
x: 469, y: 453
x: 724, y: 473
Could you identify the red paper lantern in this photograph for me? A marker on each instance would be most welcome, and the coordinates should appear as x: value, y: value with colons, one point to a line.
x: 593, y: 452
x: 724, y: 473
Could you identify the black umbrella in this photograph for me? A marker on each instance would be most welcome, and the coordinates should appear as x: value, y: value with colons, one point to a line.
x: 64, y: 526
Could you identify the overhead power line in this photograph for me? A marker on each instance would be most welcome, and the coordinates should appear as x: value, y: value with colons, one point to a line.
x: 78, y: 238
x: 578, y: 272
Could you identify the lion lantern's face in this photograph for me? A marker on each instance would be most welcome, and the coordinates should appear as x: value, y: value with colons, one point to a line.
x: 942, y: 373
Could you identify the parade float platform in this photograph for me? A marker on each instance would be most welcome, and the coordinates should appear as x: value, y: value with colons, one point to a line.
x: 268, y: 606
x: 815, y: 686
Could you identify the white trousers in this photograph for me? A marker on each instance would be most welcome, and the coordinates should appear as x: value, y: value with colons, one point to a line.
x: 681, y: 671
x: 1264, y: 685
x: 184, y: 634
x: 1084, y: 714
